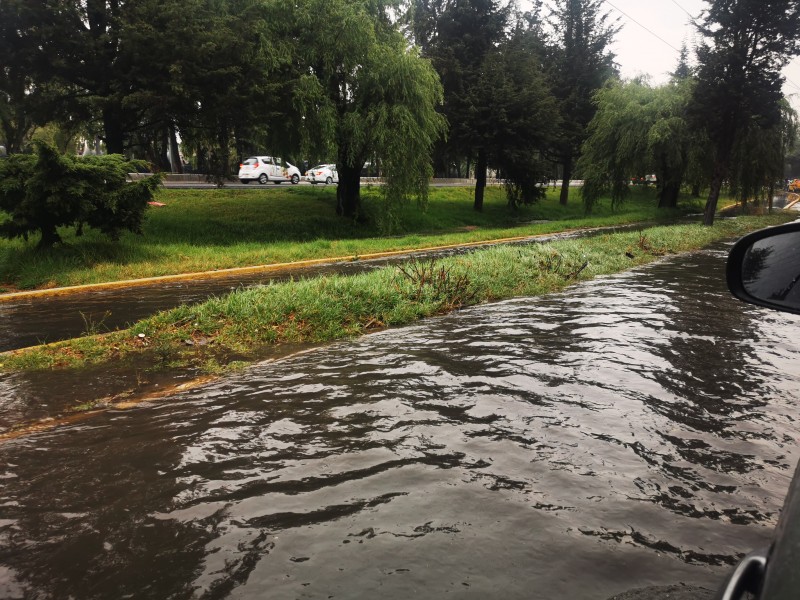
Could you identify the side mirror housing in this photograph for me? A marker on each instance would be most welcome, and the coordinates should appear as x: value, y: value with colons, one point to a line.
x: 764, y: 268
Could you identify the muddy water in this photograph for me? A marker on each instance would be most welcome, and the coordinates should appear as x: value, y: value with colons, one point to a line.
x: 636, y: 430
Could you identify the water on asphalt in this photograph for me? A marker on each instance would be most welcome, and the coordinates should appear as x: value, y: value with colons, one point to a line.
x: 633, y: 431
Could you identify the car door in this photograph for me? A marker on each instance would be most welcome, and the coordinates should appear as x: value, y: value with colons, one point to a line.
x: 280, y: 171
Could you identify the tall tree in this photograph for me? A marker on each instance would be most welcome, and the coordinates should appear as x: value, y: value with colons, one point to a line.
x: 683, y: 69
x: 746, y: 44
x: 364, y: 93
x: 137, y: 72
x: 520, y: 117
x: 759, y: 160
x: 581, y: 62
x: 228, y: 81
x: 20, y: 93
x: 461, y: 37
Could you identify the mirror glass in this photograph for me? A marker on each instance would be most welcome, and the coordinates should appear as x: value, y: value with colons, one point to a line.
x: 771, y: 270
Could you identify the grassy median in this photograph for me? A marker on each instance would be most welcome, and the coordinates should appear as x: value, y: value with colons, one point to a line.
x: 242, y: 325
x: 200, y: 230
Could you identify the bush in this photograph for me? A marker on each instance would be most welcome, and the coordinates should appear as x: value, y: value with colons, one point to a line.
x: 47, y: 190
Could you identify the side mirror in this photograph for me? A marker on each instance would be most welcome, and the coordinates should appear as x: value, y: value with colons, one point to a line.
x: 764, y: 268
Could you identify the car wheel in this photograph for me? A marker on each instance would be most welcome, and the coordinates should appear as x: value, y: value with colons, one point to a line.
x: 295, y: 179
x: 328, y: 181
x: 262, y: 179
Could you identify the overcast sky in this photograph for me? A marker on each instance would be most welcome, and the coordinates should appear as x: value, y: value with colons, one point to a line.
x: 655, y: 52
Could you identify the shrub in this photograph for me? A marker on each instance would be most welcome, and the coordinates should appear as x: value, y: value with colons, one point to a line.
x: 47, y: 190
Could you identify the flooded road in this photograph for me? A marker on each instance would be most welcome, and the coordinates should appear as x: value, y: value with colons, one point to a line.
x: 635, y: 430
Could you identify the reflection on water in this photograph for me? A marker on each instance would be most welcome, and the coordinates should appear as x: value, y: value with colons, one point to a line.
x: 635, y: 430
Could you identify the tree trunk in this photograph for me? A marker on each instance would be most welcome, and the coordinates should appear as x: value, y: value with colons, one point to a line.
x: 50, y: 237
x: 668, y: 197
x: 565, y: 177
x: 670, y: 185
x: 164, y: 163
x: 112, y: 127
x: 480, y: 179
x: 771, y: 196
x: 713, y: 196
x: 174, y: 152
x: 696, y: 190
x: 348, y: 192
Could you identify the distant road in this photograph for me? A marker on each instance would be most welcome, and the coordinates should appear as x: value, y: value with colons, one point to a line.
x: 196, y: 182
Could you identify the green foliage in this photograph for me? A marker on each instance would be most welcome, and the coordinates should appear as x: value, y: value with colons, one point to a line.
x: 738, y: 92
x: 459, y: 37
x: 638, y: 130
x: 48, y: 190
x: 758, y: 161
x: 496, y: 99
x: 134, y: 73
x: 579, y: 64
x: 365, y: 95
x: 521, y: 115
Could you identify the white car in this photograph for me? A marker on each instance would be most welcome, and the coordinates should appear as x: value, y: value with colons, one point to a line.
x: 268, y: 168
x: 326, y: 174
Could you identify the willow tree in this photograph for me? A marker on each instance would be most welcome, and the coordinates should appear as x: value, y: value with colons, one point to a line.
x: 636, y: 130
x: 364, y: 94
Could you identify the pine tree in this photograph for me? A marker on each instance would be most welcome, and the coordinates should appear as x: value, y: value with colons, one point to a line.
x: 581, y: 64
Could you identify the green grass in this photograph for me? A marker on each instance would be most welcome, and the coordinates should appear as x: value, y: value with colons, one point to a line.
x: 201, y: 230
x: 245, y: 323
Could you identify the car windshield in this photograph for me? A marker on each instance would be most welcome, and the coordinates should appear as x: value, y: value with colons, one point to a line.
x: 250, y: 161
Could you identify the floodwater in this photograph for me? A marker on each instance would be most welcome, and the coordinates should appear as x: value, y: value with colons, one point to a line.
x: 635, y: 430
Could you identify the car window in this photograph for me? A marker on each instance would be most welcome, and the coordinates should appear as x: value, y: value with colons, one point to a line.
x: 250, y: 161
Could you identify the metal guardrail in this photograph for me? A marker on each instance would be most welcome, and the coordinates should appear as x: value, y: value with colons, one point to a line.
x: 195, y: 178
x: 200, y: 178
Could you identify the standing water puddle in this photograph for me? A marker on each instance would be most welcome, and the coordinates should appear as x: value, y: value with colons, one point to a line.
x: 635, y: 430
